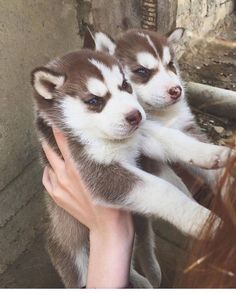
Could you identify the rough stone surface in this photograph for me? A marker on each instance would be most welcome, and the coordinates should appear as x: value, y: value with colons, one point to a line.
x: 115, y: 16
x: 202, y: 16
x: 166, y: 15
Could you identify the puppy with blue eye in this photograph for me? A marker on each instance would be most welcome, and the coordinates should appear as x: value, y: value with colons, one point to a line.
x: 151, y: 67
x: 85, y: 94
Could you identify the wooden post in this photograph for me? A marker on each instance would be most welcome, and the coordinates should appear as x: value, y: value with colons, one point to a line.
x: 166, y: 15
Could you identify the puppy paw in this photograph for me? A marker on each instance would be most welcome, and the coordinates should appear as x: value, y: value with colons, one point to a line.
x: 213, y: 157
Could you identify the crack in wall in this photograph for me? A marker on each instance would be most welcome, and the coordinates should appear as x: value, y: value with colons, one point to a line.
x: 18, y: 175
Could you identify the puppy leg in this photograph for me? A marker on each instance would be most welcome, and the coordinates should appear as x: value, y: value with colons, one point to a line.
x: 155, y: 196
x: 65, y: 265
x: 169, y: 175
x: 138, y: 281
x: 145, y: 250
x: 177, y: 146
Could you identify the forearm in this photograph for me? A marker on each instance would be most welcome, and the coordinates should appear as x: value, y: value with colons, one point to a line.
x: 109, y: 261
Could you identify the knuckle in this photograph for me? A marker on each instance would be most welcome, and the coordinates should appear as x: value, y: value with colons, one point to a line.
x: 62, y: 178
x: 64, y: 181
x: 57, y: 195
x: 69, y: 170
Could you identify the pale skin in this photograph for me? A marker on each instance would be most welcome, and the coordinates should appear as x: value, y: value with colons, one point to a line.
x: 111, y: 230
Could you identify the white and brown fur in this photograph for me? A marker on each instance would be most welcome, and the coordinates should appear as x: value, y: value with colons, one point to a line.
x: 153, y: 54
x: 152, y: 69
x: 105, y: 147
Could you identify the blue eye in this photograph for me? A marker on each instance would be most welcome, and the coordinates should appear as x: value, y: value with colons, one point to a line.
x: 93, y: 101
x: 141, y: 71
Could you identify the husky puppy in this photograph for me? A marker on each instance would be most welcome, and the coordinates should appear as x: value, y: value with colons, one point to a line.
x: 85, y: 95
x: 151, y: 67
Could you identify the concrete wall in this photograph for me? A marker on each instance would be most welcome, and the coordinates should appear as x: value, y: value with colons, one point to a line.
x: 112, y: 16
x: 31, y: 32
x: 202, y: 16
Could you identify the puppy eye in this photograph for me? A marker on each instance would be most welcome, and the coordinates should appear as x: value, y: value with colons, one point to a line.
x: 94, y: 101
x: 171, y: 66
x: 126, y: 86
x: 141, y: 71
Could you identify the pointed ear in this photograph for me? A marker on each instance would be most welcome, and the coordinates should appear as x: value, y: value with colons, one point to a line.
x: 104, y: 43
x: 176, y: 35
x: 46, y: 81
x: 89, y: 40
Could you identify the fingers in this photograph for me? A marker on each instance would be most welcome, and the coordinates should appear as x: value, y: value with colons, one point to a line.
x: 62, y: 144
x: 53, y: 187
x: 47, y: 181
x: 54, y: 160
x: 63, y: 198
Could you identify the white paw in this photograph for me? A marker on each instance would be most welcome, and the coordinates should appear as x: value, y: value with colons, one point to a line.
x: 211, y: 157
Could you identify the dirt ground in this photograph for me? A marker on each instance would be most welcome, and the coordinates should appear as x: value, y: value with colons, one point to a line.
x: 213, y: 62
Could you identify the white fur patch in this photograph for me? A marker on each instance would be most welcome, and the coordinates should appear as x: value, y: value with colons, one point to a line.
x: 103, y: 43
x: 112, y: 76
x: 40, y: 77
x: 96, y: 87
x: 147, y: 60
x: 73, y: 111
x: 166, y: 55
x: 81, y: 262
x: 149, y: 41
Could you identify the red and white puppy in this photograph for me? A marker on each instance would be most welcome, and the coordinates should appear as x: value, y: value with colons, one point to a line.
x: 86, y: 96
x: 150, y: 65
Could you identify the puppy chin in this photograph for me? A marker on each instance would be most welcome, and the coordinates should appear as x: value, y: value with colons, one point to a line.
x: 124, y: 133
x: 164, y: 104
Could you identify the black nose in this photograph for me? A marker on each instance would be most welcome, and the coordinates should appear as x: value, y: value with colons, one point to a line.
x: 175, y: 92
x: 134, y: 118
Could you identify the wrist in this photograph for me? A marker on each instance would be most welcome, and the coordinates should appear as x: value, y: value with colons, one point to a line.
x: 112, y: 236
x: 109, y: 261
x: 120, y: 231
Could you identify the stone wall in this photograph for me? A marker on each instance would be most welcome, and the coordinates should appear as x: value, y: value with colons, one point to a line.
x: 202, y: 16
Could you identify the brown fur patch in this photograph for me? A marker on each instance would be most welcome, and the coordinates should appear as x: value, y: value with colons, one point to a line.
x: 131, y: 43
x: 77, y: 69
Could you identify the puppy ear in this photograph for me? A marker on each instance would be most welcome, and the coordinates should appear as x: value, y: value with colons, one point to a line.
x: 89, y: 40
x: 176, y: 35
x: 104, y: 43
x: 46, y: 81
